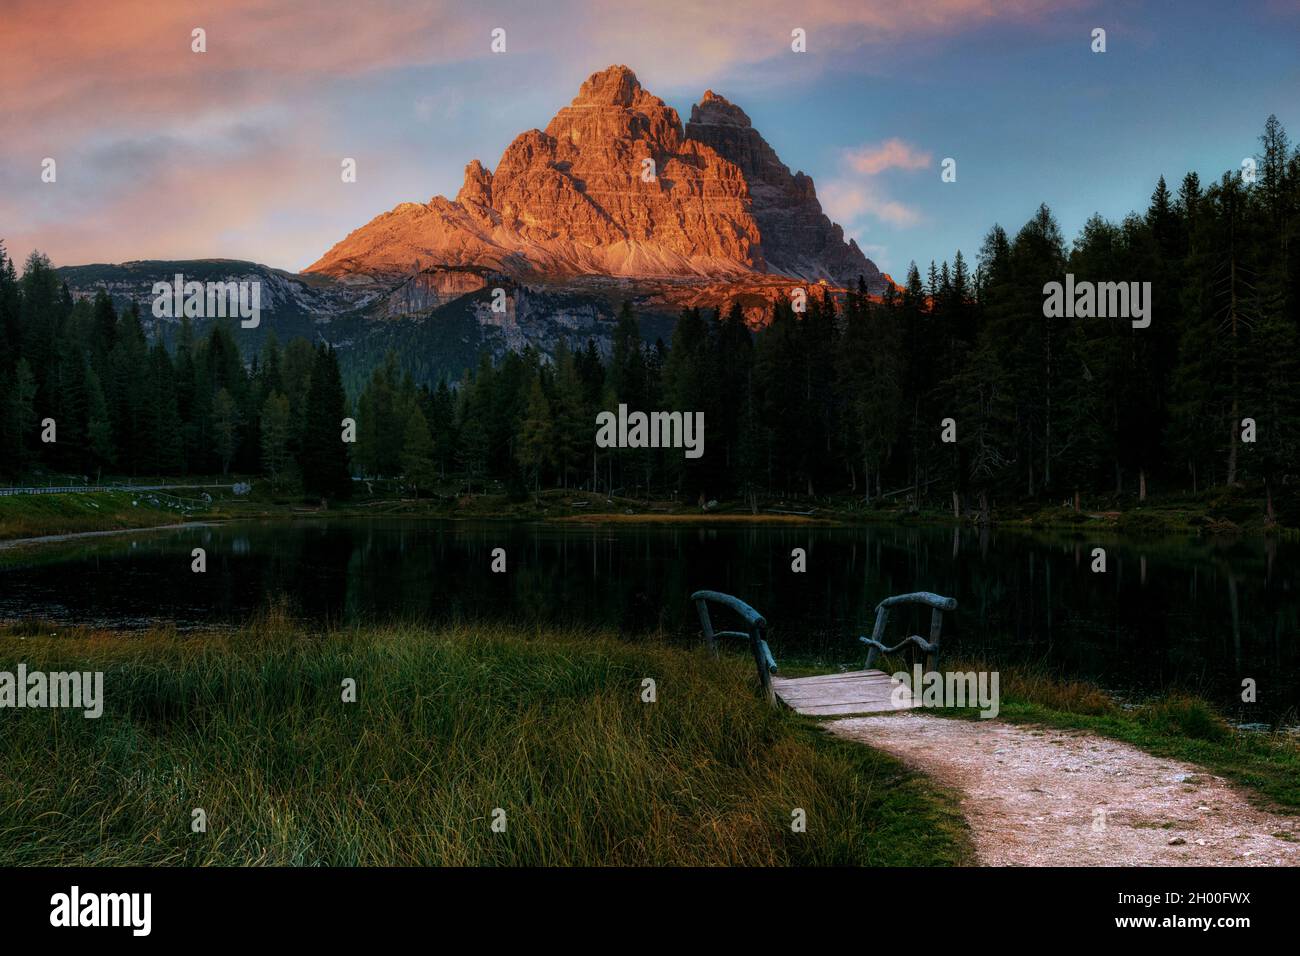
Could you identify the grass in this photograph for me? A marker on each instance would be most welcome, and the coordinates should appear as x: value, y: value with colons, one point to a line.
x: 1175, y: 725
x: 449, y: 725
x: 29, y: 516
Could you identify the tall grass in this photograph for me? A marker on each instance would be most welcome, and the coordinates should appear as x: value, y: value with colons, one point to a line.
x: 449, y: 725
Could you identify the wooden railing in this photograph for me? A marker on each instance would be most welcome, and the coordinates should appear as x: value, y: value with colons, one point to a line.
x: 935, y: 602
x: 756, y: 634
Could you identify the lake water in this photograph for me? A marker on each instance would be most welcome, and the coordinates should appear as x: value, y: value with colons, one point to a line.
x: 1202, y: 614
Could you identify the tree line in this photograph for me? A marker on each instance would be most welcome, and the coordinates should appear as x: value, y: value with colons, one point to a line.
x: 123, y: 406
x: 953, y: 389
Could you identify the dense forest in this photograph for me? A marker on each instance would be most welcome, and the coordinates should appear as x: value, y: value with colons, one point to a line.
x: 850, y: 396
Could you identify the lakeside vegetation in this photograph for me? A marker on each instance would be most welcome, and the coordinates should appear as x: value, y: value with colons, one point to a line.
x: 449, y: 725
x: 452, y: 723
x: 32, y: 516
x: 1228, y: 512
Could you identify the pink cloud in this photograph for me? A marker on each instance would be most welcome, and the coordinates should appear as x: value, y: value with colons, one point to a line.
x: 848, y: 201
x: 891, y: 154
x: 857, y: 194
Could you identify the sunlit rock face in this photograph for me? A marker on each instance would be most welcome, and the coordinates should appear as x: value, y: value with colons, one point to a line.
x: 616, y: 186
x: 798, y: 239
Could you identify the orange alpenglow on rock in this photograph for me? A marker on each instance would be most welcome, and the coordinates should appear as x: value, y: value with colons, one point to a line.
x: 579, y: 199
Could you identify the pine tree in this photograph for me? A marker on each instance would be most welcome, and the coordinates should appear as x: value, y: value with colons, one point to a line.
x: 22, y: 415
x: 226, y: 422
x: 536, y: 438
x: 417, y: 453
x: 323, y: 457
x: 277, y: 430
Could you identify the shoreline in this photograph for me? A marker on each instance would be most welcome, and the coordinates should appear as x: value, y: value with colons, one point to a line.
x: 76, y: 535
x: 54, y: 518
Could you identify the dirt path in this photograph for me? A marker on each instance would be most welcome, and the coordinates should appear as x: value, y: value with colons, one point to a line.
x: 1036, y: 796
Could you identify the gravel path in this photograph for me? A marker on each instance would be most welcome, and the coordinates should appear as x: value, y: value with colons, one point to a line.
x: 1037, y: 796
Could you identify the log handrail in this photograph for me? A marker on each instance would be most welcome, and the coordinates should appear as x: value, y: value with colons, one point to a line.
x: 763, y: 660
x: 937, y: 604
x: 927, y: 598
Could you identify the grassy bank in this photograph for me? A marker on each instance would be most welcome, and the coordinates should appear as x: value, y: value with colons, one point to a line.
x: 448, y: 726
x: 30, y: 516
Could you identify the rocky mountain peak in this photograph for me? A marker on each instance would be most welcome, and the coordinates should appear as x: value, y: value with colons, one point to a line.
x: 477, y: 188
x: 617, y: 186
x: 612, y: 86
x: 715, y: 110
x: 798, y: 239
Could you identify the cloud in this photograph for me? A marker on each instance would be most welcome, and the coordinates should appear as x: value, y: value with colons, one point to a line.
x: 160, y: 150
x: 857, y: 194
x: 849, y: 201
x: 105, y: 63
x: 129, y: 62
x: 693, y: 42
x: 891, y: 154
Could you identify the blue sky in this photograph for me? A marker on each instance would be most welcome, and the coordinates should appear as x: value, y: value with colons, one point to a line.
x: 235, y: 152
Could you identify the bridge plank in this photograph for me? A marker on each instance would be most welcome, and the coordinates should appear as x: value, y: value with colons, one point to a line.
x: 854, y: 692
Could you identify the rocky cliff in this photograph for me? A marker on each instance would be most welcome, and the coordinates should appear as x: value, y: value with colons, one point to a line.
x: 798, y: 239
x: 617, y: 186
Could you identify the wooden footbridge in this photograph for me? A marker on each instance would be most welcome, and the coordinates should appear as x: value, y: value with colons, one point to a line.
x: 867, y: 691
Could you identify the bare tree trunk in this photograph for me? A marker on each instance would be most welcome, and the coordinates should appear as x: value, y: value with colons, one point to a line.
x: 1047, y: 425
x: 1233, y: 439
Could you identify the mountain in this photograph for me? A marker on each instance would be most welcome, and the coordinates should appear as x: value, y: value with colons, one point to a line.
x: 580, y: 199
x: 567, y: 225
x: 798, y: 238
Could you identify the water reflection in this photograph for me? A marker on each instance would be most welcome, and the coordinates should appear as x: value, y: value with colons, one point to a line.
x: 1200, y: 613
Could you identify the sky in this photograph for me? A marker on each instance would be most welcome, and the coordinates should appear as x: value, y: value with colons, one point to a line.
x: 161, y: 152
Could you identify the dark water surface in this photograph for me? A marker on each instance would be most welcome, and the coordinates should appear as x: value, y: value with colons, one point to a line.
x: 1202, y: 614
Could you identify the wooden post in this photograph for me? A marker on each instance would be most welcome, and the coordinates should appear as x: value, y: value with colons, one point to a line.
x: 936, y: 628
x: 877, y: 634
x: 702, y: 606
x: 760, y: 661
